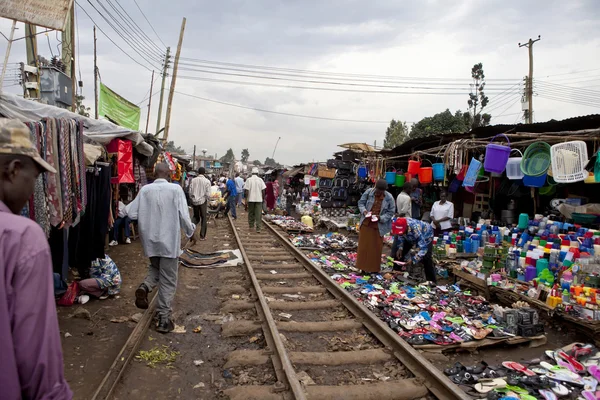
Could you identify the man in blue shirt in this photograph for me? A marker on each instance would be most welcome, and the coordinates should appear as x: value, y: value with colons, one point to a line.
x: 231, y: 198
x: 419, y: 234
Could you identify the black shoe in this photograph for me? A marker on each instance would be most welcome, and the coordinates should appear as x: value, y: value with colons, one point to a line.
x: 165, y: 325
x: 141, y: 297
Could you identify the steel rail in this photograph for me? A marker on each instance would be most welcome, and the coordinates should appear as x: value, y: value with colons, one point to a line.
x: 442, y: 387
x: 292, y: 381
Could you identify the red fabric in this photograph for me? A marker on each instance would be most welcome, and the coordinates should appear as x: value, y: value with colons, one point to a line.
x: 270, y: 196
x: 124, y: 152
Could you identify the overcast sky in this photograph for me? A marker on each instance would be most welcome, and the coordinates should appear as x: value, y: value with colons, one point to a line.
x: 426, y: 39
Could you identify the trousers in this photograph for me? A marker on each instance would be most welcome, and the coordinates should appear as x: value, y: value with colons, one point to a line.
x: 427, y: 260
x: 117, y: 227
x: 231, y: 206
x: 200, y: 217
x: 163, y: 271
x: 255, y: 214
x: 240, y: 197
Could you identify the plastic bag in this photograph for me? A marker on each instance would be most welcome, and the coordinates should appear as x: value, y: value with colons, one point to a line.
x: 70, y: 295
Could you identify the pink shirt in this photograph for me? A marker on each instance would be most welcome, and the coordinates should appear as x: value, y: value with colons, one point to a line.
x: 31, y: 362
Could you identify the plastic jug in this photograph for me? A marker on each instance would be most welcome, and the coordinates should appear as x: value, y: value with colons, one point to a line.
x: 530, y: 273
x: 541, y: 265
x: 523, y: 221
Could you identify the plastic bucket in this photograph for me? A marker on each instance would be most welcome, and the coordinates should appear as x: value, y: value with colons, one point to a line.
x: 414, y: 166
x: 496, y: 156
x: 439, y: 171
x: 390, y: 177
x: 362, y: 171
x: 426, y: 174
x: 535, y: 181
x: 513, y: 167
x: 400, y: 179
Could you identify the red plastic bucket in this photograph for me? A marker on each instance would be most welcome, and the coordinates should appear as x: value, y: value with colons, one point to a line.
x: 414, y: 165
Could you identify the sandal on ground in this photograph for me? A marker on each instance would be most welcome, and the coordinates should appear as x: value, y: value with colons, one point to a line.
x: 485, y: 386
x: 518, y: 367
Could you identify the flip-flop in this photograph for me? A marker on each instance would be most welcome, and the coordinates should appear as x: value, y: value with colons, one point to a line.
x: 547, y: 394
x: 550, y: 354
x: 589, y: 383
x: 566, y: 365
x: 487, y: 386
x: 560, y: 390
x: 587, y: 395
x: 594, y: 371
x: 517, y: 389
x: 571, y: 360
x: 564, y: 378
x: 580, y: 350
x: 518, y: 367
x: 527, y: 397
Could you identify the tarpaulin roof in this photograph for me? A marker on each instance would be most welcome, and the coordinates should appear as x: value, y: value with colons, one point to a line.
x: 358, y: 147
x: 100, y: 131
x: 293, y: 172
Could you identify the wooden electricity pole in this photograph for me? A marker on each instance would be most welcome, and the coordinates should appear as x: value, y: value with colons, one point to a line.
x: 173, y: 81
x: 529, y: 46
x: 150, y: 101
x: 162, y: 88
x: 95, y: 78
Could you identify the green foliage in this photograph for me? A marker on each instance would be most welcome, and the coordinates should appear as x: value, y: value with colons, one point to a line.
x: 257, y: 163
x: 477, y: 98
x: 444, y: 123
x: 395, y: 135
x: 245, y: 155
x: 80, y: 108
x: 272, y: 163
x: 171, y: 148
x: 229, y: 157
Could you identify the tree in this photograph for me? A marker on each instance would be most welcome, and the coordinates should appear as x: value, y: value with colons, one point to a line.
x: 444, y: 123
x: 477, y: 98
x: 257, y: 163
x: 171, y: 148
x: 270, y: 162
x: 245, y: 155
x: 229, y: 157
x: 81, y: 109
x: 395, y: 135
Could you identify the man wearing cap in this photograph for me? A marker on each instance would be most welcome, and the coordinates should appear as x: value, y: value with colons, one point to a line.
x: 411, y: 233
x: 31, y: 362
x: 254, y: 189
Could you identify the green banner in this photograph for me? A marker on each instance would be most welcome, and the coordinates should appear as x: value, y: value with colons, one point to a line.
x: 117, y: 109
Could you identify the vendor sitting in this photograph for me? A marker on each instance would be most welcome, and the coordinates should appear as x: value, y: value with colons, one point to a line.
x: 413, y: 232
x: 104, y: 281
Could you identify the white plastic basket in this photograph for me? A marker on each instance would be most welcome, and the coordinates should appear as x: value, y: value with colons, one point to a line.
x: 568, y: 161
x: 513, y: 167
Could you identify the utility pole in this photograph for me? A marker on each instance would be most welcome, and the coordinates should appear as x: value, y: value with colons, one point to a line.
x: 162, y: 88
x: 194, y: 159
x: 173, y: 81
x: 31, y: 72
x: 95, y: 77
x: 150, y: 101
x: 7, y: 55
x: 529, y: 46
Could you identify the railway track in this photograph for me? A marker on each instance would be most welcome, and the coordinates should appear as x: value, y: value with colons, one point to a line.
x: 311, y: 323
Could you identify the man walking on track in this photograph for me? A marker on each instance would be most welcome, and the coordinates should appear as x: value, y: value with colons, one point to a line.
x: 31, y: 361
x: 255, y: 192
x: 199, y: 194
x: 161, y: 211
x: 239, y: 187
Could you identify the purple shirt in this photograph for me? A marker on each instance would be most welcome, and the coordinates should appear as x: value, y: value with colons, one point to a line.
x: 31, y: 362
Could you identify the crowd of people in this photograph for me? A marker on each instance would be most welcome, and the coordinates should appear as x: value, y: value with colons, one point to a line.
x: 413, y: 239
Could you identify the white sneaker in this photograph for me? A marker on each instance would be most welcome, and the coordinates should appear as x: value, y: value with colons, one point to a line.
x: 84, y: 298
x: 113, y: 243
x: 128, y: 241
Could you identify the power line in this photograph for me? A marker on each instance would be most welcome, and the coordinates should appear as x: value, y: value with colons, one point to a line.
x: 282, y: 113
x: 507, y: 108
x: 322, y: 82
x: 571, y: 88
x: 130, y: 38
x: 149, y: 61
x: 574, y: 72
x: 567, y: 93
x: 139, y: 8
x: 138, y: 27
x: 112, y: 41
x: 466, y: 92
x: 331, y: 73
x: 566, y: 100
x: 312, y: 75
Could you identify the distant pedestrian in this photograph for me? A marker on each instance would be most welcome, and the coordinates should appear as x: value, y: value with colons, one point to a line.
x: 231, y: 198
x: 404, y: 202
x: 289, y: 200
x: 239, y: 187
x: 417, y: 198
x: 31, y: 360
x: 270, y: 196
x: 122, y: 220
x: 161, y: 211
x: 200, y: 194
x: 255, y: 189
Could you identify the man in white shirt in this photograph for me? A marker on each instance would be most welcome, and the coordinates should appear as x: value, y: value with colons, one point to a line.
x: 403, y: 202
x: 122, y: 220
x: 162, y: 212
x: 239, y: 186
x: 254, y: 189
x: 442, y: 213
x: 199, y: 194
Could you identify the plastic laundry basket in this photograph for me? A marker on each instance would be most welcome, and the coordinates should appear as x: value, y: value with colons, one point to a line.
x: 513, y: 167
x: 496, y: 156
x: 536, y: 159
x: 568, y: 161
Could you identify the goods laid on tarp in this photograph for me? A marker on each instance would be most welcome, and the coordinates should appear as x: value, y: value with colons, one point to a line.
x: 330, y: 241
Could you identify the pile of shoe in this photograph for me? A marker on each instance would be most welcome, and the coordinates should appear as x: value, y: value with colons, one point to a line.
x: 327, y: 242
x: 288, y: 223
x: 572, y: 373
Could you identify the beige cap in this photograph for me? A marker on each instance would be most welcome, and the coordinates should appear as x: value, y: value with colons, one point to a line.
x: 16, y: 139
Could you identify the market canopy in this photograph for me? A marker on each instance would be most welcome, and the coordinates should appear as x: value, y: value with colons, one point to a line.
x: 358, y: 147
x: 293, y: 172
x: 100, y: 131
